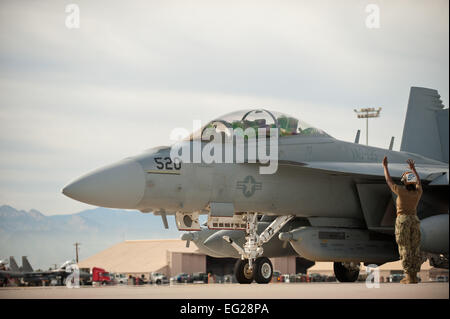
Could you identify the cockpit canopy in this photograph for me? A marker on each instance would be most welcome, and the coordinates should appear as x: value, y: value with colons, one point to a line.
x: 261, y: 119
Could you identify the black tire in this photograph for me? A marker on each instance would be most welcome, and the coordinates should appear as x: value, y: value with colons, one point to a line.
x: 158, y: 282
x: 263, y: 270
x: 343, y: 274
x: 242, y: 276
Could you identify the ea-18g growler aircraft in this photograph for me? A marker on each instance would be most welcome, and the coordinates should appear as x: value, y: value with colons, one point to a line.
x: 322, y: 198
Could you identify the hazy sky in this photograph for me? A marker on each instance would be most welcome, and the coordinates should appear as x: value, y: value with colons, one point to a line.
x: 72, y: 100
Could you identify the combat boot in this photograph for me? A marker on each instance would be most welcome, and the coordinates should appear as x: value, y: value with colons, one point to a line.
x: 406, y: 280
x: 414, y: 279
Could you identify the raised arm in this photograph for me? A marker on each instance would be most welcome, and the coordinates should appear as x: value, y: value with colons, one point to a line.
x: 387, y: 176
x: 412, y: 166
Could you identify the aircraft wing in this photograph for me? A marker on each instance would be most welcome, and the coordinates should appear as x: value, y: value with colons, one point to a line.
x: 435, y: 174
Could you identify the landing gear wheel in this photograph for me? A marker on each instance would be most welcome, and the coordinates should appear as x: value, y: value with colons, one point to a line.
x: 242, y: 272
x: 263, y: 270
x: 343, y: 274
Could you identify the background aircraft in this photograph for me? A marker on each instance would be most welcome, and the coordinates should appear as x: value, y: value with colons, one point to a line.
x: 10, y: 270
x: 29, y: 276
x: 334, y: 189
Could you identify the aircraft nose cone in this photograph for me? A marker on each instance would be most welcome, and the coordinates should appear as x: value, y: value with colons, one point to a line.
x: 119, y: 185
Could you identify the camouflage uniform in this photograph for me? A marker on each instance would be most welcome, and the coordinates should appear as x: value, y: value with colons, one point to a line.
x: 407, y: 234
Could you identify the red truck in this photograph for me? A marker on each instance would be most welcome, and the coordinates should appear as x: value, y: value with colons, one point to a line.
x: 101, y: 276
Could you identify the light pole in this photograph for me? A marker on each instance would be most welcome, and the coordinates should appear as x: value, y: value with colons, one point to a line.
x: 365, y: 113
x: 76, y: 250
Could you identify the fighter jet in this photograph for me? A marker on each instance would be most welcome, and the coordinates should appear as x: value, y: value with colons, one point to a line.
x: 9, y: 265
x: 27, y: 273
x: 334, y: 189
x: 10, y: 270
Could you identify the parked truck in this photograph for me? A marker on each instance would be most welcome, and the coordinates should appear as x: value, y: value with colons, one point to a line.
x: 158, y: 278
x: 99, y: 275
x: 119, y: 278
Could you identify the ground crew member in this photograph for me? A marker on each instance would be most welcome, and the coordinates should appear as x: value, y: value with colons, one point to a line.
x: 407, y: 225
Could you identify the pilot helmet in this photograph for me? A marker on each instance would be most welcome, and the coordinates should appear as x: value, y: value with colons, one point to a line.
x: 409, y: 178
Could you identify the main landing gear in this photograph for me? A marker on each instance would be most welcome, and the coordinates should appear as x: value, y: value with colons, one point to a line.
x: 252, y: 266
x: 346, y: 272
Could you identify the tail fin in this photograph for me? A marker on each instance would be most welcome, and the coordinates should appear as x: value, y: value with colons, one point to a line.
x: 26, y: 267
x: 426, y: 125
x: 13, y: 264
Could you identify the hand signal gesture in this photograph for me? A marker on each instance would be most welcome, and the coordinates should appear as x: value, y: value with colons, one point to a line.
x: 411, y: 164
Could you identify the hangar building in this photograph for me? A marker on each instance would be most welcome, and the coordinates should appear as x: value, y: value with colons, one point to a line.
x: 171, y: 257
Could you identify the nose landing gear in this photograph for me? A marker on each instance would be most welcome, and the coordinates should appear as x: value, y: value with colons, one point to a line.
x: 252, y: 265
x: 263, y: 270
x: 244, y: 275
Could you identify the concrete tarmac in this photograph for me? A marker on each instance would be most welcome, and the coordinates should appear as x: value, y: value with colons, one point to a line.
x: 428, y: 290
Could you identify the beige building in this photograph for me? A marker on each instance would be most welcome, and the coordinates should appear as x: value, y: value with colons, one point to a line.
x: 170, y: 257
x: 285, y: 265
x: 141, y: 257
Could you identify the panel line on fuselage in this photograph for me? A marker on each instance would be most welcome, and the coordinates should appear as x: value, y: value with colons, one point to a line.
x: 156, y: 171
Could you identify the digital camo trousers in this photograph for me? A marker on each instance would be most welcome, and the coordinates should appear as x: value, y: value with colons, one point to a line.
x: 407, y: 235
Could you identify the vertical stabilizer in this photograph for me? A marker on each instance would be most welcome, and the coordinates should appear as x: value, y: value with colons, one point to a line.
x: 26, y: 267
x: 426, y: 125
x: 13, y: 264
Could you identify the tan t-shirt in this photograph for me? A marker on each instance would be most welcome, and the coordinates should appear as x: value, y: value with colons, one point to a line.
x: 407, y: 200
